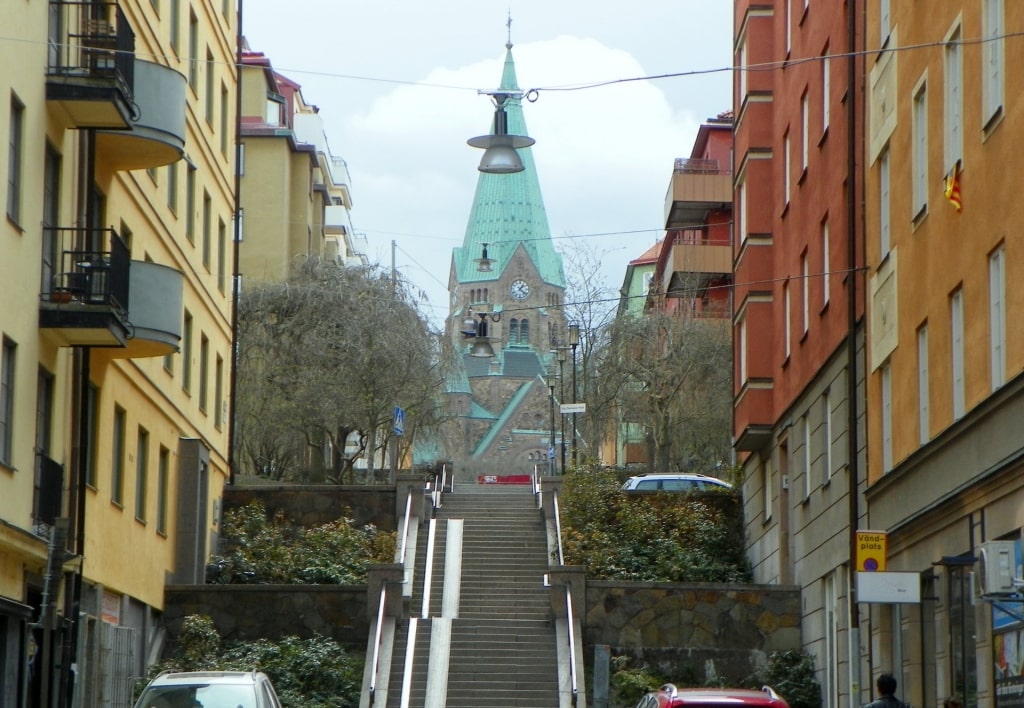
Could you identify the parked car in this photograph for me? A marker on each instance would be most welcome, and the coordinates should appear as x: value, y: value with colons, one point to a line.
x: 209, y: 689
x: 668, y: 696
x: 674, y: 483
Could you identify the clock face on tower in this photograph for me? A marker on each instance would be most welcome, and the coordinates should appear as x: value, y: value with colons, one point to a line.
x: 519, y: 289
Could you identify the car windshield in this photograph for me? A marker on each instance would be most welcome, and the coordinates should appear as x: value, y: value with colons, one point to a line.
x: 199, y: 696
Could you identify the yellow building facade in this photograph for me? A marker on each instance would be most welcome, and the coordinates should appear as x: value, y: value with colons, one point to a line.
x: 945, y: 390
x: 117, y: 263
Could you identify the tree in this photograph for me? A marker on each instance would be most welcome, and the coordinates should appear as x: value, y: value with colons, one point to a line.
x: 671, y: 374
x: 323, y: 359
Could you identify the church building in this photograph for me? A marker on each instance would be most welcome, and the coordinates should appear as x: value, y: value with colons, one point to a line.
x: 508, y: 277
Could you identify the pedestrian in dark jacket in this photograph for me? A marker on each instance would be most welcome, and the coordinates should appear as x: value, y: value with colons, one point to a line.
x: 886, y: 684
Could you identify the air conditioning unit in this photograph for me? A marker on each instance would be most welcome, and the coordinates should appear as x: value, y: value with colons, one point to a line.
x: 997, y: 562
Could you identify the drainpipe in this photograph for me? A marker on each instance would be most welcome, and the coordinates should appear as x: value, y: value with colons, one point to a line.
x: 236, y: 277
x: 853, y: 194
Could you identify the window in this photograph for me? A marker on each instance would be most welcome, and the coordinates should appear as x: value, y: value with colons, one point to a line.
x: 766, y: 488
x: 886, y: 417
x: 805, y: 131
x: 7, y: 379
x: 923, y: 386
x: 993, y: 56
x: 953, y: 84
x: 224, y: 134
x: 884, y: 22
x: 956, y: 326
x: 15, y: 138
x: 91, y: 415
x: 805, y: 427
x: 190, y: 204
x: 826, y: 433
x: 741, y: 63
x: 207, y: 216
x: 833, y: 623
x: 175, y: 20
x: 51, y: 216
x: 44, y: 411
x: 786, y: 166
x: 172, y: 187
x: 920, y: 151
x: 997, y: 315
x: 805, y: 277
x: 218, y: 393
x: 204, y: 366
x: 222, y: 254
x: 186, y: 354
x: 741, y: 345
x: 141, y: 466
x: 275, y: 112
x: 742, y: 199
x: 787, y: 315
x: 884, y: 220
x: 789, y: 26
x: 117, y: 450
x: 826, y: 269
x: 209, y: 87
x: 162, y: 486
x: 826, y: 89
x: 193, y: 50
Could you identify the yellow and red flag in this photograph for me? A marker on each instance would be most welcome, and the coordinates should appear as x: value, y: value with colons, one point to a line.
x: 952, y: 186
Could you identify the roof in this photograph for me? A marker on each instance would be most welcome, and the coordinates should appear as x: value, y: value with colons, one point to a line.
x: 508, y: 211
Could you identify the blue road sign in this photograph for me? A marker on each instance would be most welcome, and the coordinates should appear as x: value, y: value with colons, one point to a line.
x: 399, y: 426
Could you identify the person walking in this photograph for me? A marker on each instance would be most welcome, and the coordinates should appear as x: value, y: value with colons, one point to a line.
x: 886, y: 685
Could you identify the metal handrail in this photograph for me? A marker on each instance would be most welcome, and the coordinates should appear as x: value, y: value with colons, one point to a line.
x: 573, y: 679
x: 405, y: 529
x: 376, y: 643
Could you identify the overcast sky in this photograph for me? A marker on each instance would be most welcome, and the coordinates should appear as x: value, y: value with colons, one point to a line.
x: 396, y: 82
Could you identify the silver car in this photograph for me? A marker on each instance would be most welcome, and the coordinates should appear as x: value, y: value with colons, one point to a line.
x: 209, y: 689
x: 674, y: 483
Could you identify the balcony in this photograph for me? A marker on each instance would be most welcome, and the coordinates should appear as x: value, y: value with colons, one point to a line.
x: 85, y: 291
x: 697, y: 187
x: 91, y: 64
x: 156, y: 132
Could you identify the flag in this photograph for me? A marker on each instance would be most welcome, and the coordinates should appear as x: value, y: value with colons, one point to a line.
x: 952, y: 186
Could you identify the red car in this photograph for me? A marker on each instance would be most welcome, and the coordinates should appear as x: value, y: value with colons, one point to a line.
x: 668, y: 696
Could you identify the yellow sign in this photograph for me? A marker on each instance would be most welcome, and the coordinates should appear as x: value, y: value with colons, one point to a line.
x: 871, y: 551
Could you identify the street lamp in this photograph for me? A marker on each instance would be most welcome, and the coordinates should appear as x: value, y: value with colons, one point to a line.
x: 500, y: 156
x: 551, y: 445
x: 574, y: 341
x: 561, y: 399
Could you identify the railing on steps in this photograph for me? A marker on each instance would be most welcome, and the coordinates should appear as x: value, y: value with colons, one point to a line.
x: 437, y: 486
x: 377, y: 644
x: 570, y: 614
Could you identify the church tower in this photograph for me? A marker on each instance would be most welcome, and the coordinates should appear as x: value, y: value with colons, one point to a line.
x: 502, y: 403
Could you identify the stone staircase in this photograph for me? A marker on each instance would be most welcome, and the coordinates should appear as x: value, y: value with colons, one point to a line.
x: 487, y: 636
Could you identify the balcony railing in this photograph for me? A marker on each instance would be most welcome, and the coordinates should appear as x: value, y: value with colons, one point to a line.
x: 695, y: 165
x: 91, y: 63
x: 92, y: 268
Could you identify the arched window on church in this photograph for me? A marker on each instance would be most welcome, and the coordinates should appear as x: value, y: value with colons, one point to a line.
x: 513, y: 332
x: 524, y: 331
x: 487, y: 295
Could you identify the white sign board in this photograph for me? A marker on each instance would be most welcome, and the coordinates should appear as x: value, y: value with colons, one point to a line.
x: 566, y: 408
x: 887, y: 587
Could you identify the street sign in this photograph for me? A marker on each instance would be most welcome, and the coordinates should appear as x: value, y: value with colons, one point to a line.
x: 399, y: 426
x: 871, y: 548
x: 567, y: 408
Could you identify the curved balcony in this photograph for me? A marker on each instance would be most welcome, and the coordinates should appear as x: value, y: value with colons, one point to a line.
x: 155, y: 312
x: 156, y: 136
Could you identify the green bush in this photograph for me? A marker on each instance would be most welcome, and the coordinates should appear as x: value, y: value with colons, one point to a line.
x: 307, y: 673
x: 791, y: 674
x: 262, y: 550
x: 650, y: 537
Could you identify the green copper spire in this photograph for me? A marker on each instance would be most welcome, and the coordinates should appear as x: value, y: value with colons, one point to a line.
x: 508, y: 210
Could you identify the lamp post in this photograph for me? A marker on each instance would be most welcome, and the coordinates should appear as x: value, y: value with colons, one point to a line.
x: 574, y: 341
x: 551, y: 445
x: 561, y: 399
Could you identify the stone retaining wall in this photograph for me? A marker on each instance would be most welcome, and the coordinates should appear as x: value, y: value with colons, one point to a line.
x: 309, y: 505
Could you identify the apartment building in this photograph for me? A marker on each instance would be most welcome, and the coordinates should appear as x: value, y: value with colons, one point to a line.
x: 797, y: 313
x: 945, y: 390
x: 116, y: 332
x: 295, y: 193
